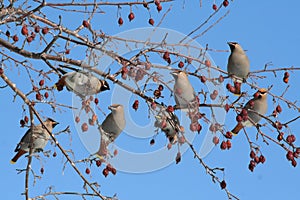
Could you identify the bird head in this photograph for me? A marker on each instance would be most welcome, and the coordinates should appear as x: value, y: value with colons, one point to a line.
x: 261, y: 94
x: 115, y: 107
x: 234, y: 46
x: 104, y: 85
x: 53, y: 122
x: 176, y: 74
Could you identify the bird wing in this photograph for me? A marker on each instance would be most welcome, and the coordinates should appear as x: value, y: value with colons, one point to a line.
x: 23, y: 139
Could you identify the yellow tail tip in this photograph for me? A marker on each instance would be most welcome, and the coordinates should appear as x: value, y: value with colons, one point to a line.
x: 12, y: 162
x: 234, y: 134
x: 237, y: 94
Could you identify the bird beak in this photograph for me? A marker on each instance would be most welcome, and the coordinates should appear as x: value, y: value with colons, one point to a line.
x: 174, y: 74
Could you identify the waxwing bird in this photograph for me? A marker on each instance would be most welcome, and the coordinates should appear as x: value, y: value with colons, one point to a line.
x: 169, y: 124
x: 184, y: 93
x: 37, y: 139
x: 238, y: 64
x: 82, y: 83
x: 256, y: 105
x: 111, y: 127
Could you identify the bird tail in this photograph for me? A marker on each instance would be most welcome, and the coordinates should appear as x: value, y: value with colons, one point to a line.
x: 237, y: 128
x: 17, y: 156
x: 104, y: 142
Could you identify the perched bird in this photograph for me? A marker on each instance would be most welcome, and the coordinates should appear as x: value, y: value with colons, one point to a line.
x: 169, y: 124
x: 36, y: 139
x: 111, y: 127
x: 256, y: 105
x: 82, y: 83
x: 184, y: 91
x: 238, y: 64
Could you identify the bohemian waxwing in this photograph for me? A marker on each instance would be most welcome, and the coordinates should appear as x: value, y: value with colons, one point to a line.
x: 82, y: 83
x: 111, y: 127
x: 184, y: 93
x: 259, y: 105
x: 168, y: 123
x: 37, y: 139
x: 238, y: 64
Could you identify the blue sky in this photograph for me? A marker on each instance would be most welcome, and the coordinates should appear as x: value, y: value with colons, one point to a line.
x: 266, y: 29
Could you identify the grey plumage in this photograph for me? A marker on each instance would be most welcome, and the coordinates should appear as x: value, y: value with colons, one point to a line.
x: 37, y: 139
x: 184, y: 93
x: 111, y: 127
x: 238, y: 62
x: 82, y: 83
x: 260, y: 105
x: 169, y: 124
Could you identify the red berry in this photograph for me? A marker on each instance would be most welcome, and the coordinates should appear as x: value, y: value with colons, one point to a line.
x: 113, y: 171
x: 223, y: 184
x: 153, y: 105
x: 294, y: 163
x: 207, y: 63
x: 38, y: 97
x: 109, y: 167
x: 180, y: 64
x: 22, y: 123
x: 26, y: 119
x: 24, y: 30
x: 87, y: 171
x: 77, y: 119
x: 256, y: 159
x: 199, y: 128
x: 252, y: 154
x: 85, y: 23
x: 45, y: 30
x: 225, y: 3
x: 251, y: 103
x: 7, y: 33
x: 166, y: 55
x: 290, y: 155
x: 37, y: 29
x: 131, y: 16
x: 285, y: 80
x: 262, y: 159
x: 42, y: 170
x: 54, y: 154
x: 84, y: 127
x: 203, y: 79
x: 228, y: 135
x: 105, y: 172
x: 221, y: 79
x: 67, y: 51
x: 160, y: 87
x: 280, y: 136
x: 215, y: 7
x: 286, y: 74
x: 41, y: 83
x: 278, y: 109
x: 115, y: 152
x: 178, y: 157
x: 228, y: 86
x: 239, y: 118
x: 159, y: 7
x: 15, y: 38
x: 170, y: 108
x: 29, y: 39
x: 98, y: 163
x: 96, y: 101
x: 212, y: 96
x: 151, y: 21
x: 135, y: 105
x: 152, y: 141
x: 228, y: 143
x: 157, y: 2
x: 227, y: 107
x: 157, y: 93
x: 120, y: 21
x: 223, y: 145
x: 216, y: 140
x: 46, y: 95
